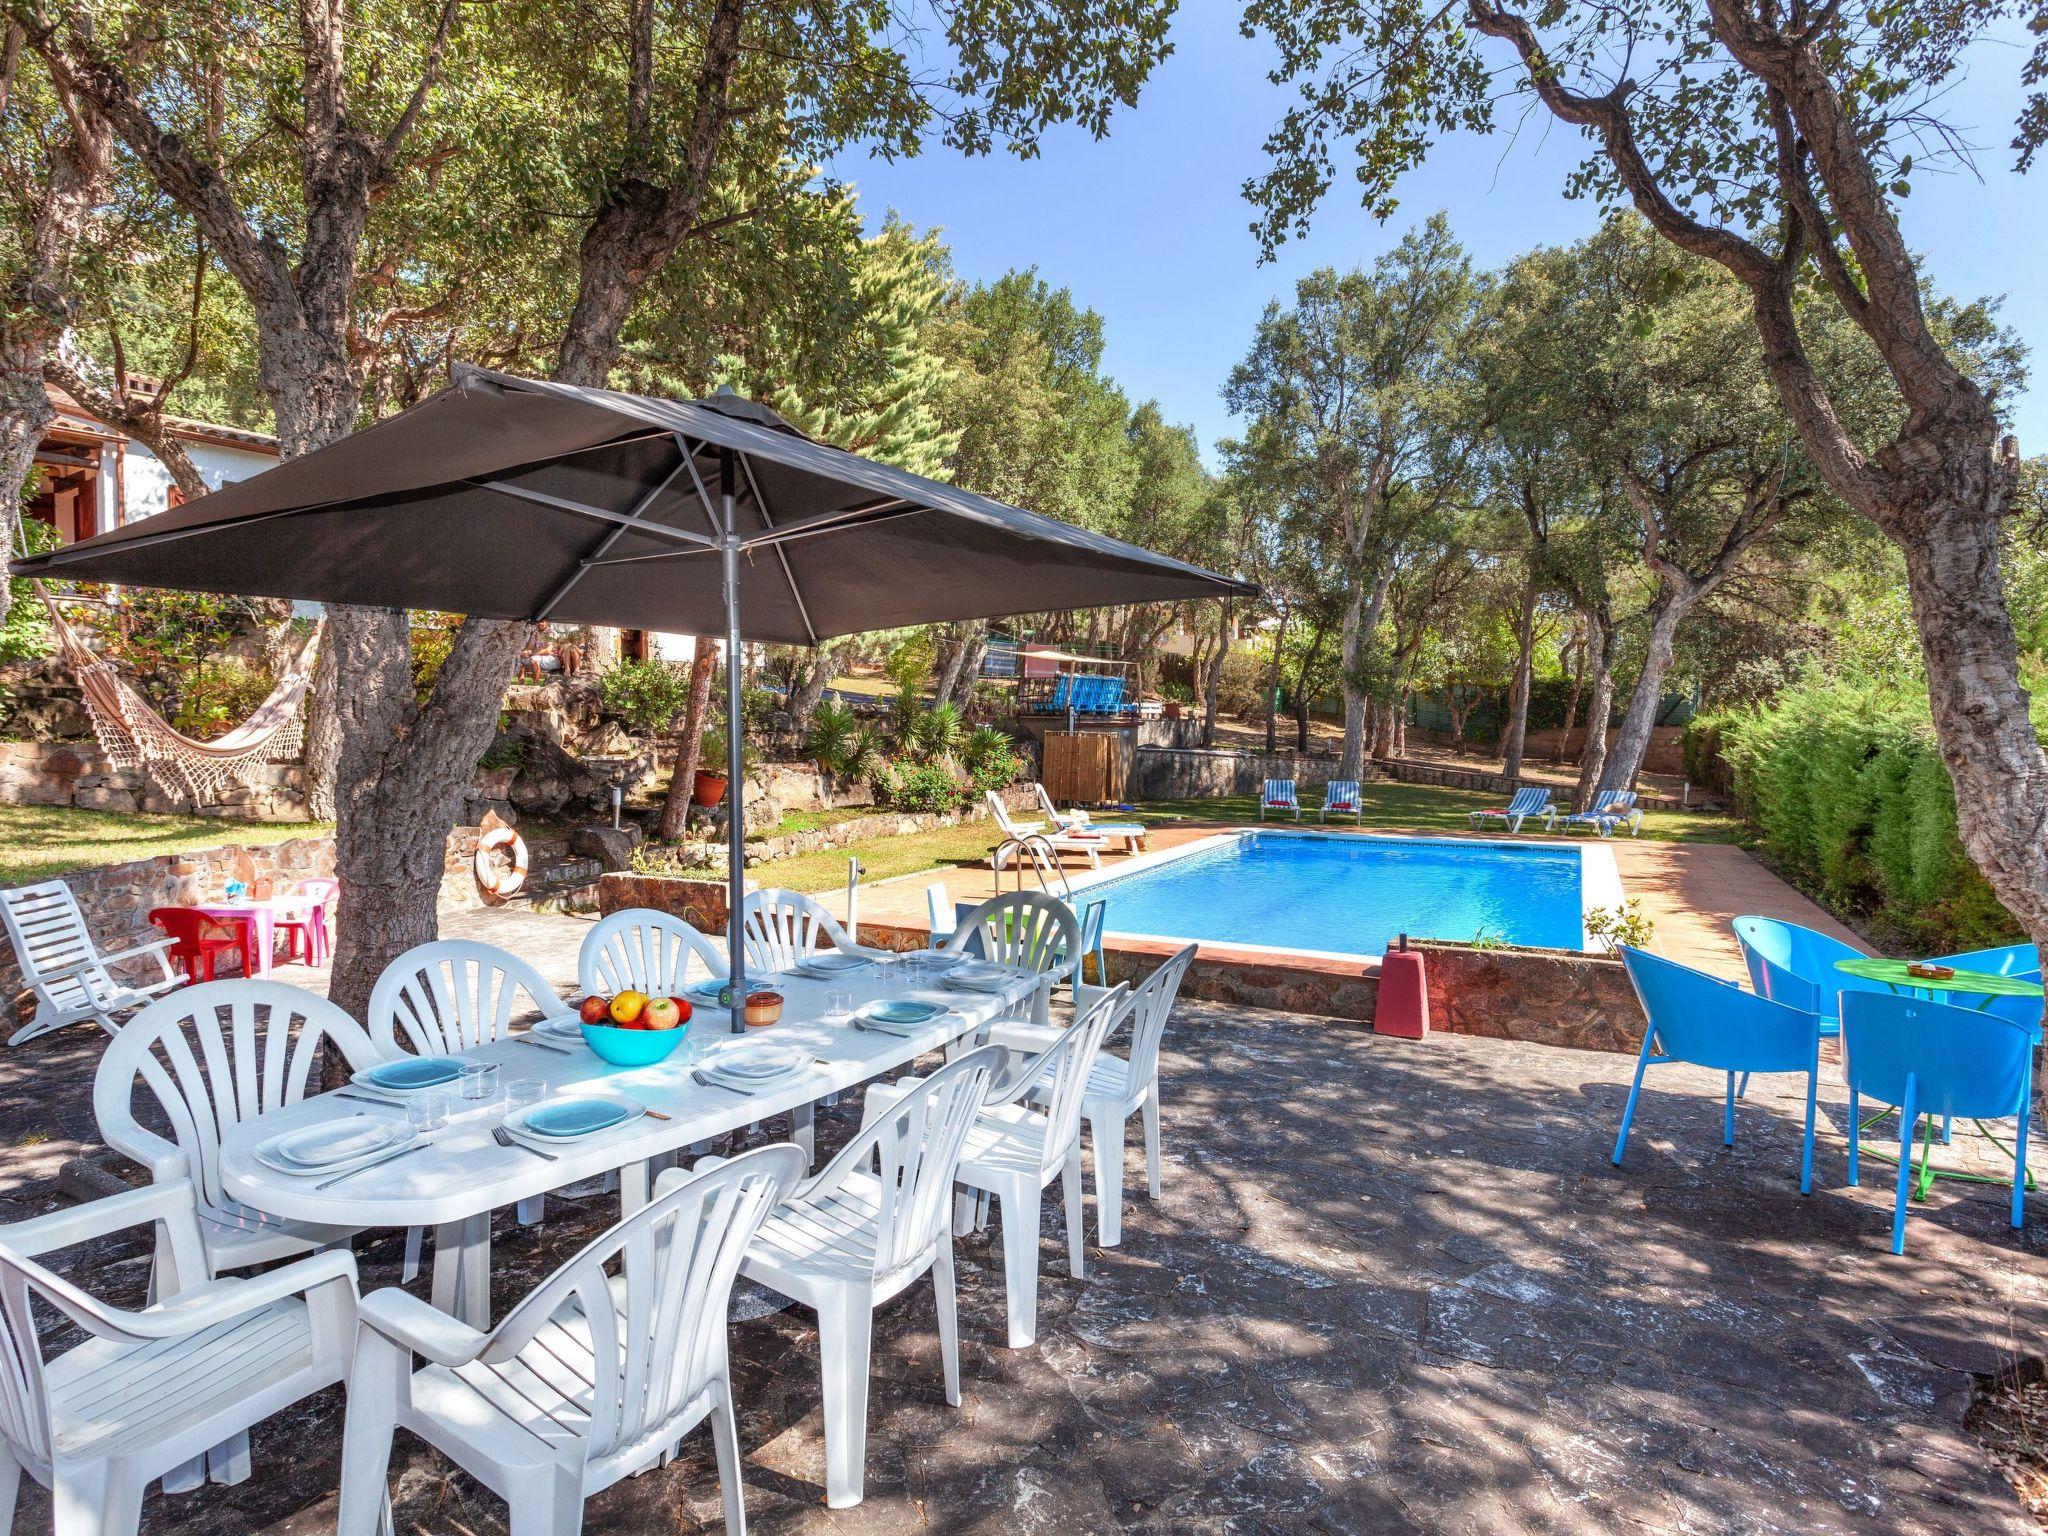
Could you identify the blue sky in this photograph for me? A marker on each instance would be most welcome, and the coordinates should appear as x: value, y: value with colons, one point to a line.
x: 1148, y: 226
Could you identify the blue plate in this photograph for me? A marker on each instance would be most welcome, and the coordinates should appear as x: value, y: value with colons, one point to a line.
x: 415, y: 1072
x: 901, y: 1010
x: 705, y: 991
x: 574, y: 1117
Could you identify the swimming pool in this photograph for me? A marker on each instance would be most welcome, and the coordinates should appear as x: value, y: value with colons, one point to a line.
x: 1354, y: 894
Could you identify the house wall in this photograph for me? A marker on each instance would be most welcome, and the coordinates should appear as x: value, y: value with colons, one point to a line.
x: 147, y: 483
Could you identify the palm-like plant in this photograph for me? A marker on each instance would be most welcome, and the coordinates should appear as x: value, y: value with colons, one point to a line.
x: 933, y: 734
x: 832, y: 733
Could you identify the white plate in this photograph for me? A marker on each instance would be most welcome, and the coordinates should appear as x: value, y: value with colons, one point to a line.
x: 515, y: 1122
x: 338, y: 1141
x: 979, y: 977
x: 267, y: 1153
x: 831, y: 961
x: 751, y: 1065
x: 567, y: 1026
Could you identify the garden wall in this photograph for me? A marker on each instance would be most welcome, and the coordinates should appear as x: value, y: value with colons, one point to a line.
x: 1185, y: 773
x: 77, y: 773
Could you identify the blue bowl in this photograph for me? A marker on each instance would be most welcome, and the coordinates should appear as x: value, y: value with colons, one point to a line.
x: 632, y: 1047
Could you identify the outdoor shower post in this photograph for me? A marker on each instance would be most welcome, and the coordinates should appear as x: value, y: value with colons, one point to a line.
x: 735, y: 783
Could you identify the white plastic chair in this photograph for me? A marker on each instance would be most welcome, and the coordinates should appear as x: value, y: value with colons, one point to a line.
x: 150, y: 1392
x: 871, y: 1223
x: 211, y: 1057
x: 62, y: 967
x: 1030, y: 931
x: 590, y: 1379
x: 783, y: 927
x: 448, y: 996
x: 1014, y: 1151
x: 940, y: 905
x: 645, y: 950
x: 451, y: 995
x: 1118, y: 1087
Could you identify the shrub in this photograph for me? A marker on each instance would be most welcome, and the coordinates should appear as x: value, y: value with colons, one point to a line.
x: 991, y: 759
x: 1626, y: 924
x: 833, y: 729
x: 1847, y: 787
x: 925, y: 788
x: 219, y: 697
x: 932, y: 734
x: 27, y: 633
x: 646, y: 695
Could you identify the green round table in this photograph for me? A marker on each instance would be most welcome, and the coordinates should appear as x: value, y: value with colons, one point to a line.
x: 1894, y: 974
x: 1980, y: 984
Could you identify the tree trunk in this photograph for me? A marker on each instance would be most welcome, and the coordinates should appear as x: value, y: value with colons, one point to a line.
x: 1212, y: 682
x: 682, y: 783
x: 1593, y: 757
x: 25, y: 415
x: 1401, y: 723
x: 825, y: 659
x: 1351, y: 763
x: 1272, y: 700
x: 1640, y: 718
x: 1517, y: 732
x: 1571, y: 703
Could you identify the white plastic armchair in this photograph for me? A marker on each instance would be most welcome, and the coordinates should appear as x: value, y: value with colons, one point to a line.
x: 447, y: 996
x: 1030, y: 931
x: 647, y: 951
x: 210, y: 1057
x: 1014, y: 1151
x: 784, y: 927
x: 871, y: 1223
x: 1118, y: 1087
x: 150, y: 1392
x: 64, y: 970
x: 589, y: 1379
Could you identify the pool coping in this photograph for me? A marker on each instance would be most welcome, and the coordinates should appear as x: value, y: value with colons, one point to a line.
x: 1599, y: 886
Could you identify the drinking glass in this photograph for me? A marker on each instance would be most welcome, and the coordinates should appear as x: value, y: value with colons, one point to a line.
x: 427, y: 1111
x: 524, y: 1093
x: 480, y: 1080
x: 838, y: 1005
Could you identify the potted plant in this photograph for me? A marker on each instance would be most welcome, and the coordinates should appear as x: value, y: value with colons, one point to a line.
x: 709, y: 786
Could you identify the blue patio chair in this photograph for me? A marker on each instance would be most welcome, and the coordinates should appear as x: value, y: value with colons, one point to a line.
x: 1935, y: 1059
x: 1707, y: 1022
x: 1796, y: 966
x: 1112, y: 695
x: 2018, y: 960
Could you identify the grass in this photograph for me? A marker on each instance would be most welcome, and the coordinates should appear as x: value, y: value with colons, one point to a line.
x: 38, y: 842
x: 1389, y: 807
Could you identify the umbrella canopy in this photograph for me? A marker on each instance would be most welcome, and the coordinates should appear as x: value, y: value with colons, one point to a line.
x: 513, y: 498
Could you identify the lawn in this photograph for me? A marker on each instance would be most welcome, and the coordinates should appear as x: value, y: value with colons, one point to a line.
x: 39, y: 841
x: 1389, y: 807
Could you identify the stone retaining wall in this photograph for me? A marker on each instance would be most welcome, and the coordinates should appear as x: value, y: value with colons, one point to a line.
x: 77, y: 773
x: 1543, y: 996
x: 1180, y: 773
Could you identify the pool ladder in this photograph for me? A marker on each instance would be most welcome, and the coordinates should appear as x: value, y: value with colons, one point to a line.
x: 1045, y: 862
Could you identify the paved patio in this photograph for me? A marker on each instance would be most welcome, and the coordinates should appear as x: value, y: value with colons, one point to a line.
x: 1392, y: 1287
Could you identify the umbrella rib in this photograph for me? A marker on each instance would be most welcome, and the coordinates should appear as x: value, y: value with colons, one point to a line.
x: 703, y: 492
x: 618, y: 532
x: 580, y: 509
x: 767, y: 521
x: 876, y: 512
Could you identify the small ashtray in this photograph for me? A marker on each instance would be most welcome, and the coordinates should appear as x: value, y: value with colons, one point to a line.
x: 1930, y: 971
x: 763, y: 1009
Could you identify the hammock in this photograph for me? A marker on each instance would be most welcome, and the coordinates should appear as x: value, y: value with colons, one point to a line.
x: 135, y: 736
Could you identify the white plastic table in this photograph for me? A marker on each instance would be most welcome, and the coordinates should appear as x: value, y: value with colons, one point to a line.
x: 462, y: 1175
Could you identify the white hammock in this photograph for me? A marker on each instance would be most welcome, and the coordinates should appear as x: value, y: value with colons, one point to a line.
x: 135, y: 736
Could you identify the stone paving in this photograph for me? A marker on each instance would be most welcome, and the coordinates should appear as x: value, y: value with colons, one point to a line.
x: 1392, y: 1287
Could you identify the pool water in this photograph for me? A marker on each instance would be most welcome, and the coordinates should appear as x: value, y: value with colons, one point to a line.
x: 1352, y: 895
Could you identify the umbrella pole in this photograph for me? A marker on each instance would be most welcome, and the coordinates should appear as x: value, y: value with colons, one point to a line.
x: 735, y: 784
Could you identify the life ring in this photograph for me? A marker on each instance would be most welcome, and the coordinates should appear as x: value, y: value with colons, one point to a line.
x: 496, y: 882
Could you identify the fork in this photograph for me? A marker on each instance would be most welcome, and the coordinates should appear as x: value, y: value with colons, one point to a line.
x: 505, y: 1138
x: 704, y: 1082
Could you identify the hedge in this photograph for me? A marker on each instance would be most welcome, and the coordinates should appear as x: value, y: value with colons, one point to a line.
x: 1848, y: 791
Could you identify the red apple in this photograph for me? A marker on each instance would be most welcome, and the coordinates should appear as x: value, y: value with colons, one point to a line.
x: 683, y: 1009
x: 661, y: 1013
x: 595, y: 1010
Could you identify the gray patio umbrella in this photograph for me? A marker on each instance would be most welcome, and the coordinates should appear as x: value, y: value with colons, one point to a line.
x: 514, y: 498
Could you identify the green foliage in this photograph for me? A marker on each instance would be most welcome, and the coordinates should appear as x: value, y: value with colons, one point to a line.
x: 219, y: 697
x: 990, y: 758
x: 711, y: 757
x: 1626, y: 924
x: 649, y: 696
x: 926, y: 788
x: 933, y: 735
x: 505, y: 751
x: 1847, y: 787
x: 26, y: 633
x: 841, y: 744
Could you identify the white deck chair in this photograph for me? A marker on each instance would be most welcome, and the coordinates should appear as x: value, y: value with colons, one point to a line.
x: 1342, y: 797
x: 148, y: 1393
x: 1118, y: 1087
x: 64, y: 970
x: 587, y: 1381
x: 1072, y: 820
x: 445, y: 997
x: 1279, y: 795
x: 1529, y: 802
x: 1014, y: 1151
x: 648, y: 951
x: 875, y: 1219
x: 210, y: 1057
x: 1063, y: 840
